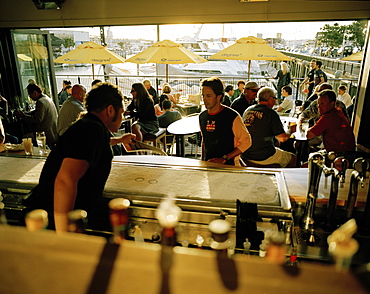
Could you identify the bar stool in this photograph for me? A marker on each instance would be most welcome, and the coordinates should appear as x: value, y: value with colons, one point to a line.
x: 157, y: 138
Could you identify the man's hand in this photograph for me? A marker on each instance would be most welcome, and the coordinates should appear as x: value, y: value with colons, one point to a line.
x: 217, y: 160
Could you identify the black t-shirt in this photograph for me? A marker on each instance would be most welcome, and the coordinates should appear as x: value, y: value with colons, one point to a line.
x: 217, y: 133
x: 263, y: 124
x: 87, y: 139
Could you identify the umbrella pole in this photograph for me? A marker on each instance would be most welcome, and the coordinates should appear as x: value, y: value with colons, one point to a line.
x: 249, y: 69
x: 166, y: 73
x: 93, y: 71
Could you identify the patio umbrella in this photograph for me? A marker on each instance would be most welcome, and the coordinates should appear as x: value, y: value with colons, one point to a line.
x: 92, y: 53
x: 32, y: 49
x: 166, y: 52
x: 250, y: 48
x: 23, y: 57
x: 354, y: 57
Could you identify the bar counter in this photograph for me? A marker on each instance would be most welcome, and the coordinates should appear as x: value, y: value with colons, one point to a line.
x: 36, y: 262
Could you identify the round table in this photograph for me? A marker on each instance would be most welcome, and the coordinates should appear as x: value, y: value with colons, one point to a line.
x: 185, y: 126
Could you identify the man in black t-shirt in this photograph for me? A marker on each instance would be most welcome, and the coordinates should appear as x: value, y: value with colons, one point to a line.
x: 309, y: 80
x: 77, y: 168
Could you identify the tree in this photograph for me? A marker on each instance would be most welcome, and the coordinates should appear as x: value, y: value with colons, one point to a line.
x: 335, y: 35
x: 332, y: 36
x: 357, y: 32
x: 68, y: 42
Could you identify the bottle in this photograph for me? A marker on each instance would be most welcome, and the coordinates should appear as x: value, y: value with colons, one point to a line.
x: 292, y: 259
x: 263, y: 248
x: 138, y: 234
x: 247, y: 247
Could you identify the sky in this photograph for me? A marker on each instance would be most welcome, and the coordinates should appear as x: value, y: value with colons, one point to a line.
x: 289, y: 30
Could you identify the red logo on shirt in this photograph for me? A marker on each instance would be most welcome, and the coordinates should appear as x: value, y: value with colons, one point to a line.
x: 211, y: 125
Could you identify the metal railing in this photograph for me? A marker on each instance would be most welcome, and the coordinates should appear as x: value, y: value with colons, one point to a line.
x: 191, y: 85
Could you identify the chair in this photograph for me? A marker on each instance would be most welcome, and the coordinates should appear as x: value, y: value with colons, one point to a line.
x: 157, y: 139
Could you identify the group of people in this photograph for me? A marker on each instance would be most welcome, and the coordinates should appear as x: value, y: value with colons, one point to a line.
x: 77, y: 168
x: 255, y: 142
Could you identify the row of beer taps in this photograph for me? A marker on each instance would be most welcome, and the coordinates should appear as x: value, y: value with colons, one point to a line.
x: 335, y: 168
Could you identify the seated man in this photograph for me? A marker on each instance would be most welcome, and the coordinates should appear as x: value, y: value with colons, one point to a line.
x: 312, y: 111
x: 224, y: 134
x: 264, y: 124
x: 334, y: 126
x: 44, y: 117
x: 246, y: 98
x: 71, y: 108
x: 344, y: 96
x: 287, y: 104
x: 169, y: 115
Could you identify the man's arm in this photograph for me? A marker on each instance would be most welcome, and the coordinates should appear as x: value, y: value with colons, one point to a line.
x: 65, y: 190
x: 37, y: 116
x: 242, y: 141
x: 124, y: 139
x: 310, y: 135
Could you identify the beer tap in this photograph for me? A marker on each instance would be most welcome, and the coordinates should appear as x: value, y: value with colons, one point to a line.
x: 358, y: 176
x: 365, y: 226
x: 338, y: 172
x: 315, y: 165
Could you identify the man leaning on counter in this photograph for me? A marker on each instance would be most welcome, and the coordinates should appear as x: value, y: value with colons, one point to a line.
x: 75, y: 172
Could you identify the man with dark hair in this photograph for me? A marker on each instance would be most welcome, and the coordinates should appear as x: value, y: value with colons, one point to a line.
x: 288, y: 102
x: 344, y: 96
x: 334, y: 126
x: 76, y: 170
x: 229, y: 91
x: 169, y: 116
x: 264, y: 124
x: 239, y: 90
x: 95, y: 82
x: 319, y: 76
x: 224, y: 135
x: 247, y: 98
x: 309, y: 80
x: 43, y: 118
x: 63, y: 95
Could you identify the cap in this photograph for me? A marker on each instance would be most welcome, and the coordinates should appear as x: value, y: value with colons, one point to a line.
x: 251, y: 85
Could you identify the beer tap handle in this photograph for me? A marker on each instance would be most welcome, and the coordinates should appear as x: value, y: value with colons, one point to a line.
x: 361, y: 165
x: 331, y: 157
x: 341, y: 164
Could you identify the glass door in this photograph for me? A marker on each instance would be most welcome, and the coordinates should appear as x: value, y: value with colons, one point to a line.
x: 34, y: 63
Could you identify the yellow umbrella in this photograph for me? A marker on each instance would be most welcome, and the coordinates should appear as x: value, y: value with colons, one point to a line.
x: 23, y: 57
x: 250, y: 48
x: 166, y: 52
x: 90, y: 52
x: 34, y: 49
x: 354, y: 57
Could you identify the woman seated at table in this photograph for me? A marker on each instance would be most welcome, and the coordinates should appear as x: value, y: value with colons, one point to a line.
x: 142, y: 109
x: 174, y: 98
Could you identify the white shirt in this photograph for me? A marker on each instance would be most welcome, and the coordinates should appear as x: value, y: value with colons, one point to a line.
x: 287, y: 104
x: 345, y: 98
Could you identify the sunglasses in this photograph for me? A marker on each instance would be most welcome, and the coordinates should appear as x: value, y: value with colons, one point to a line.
x: 253, y: 90
x: 132, y: 91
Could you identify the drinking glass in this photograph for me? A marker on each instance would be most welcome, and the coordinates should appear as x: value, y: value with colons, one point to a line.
x: 27, y: 143
x: 41, y: 142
